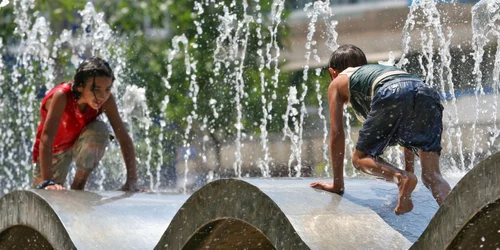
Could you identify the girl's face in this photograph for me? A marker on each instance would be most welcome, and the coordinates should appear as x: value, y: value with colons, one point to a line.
x: 97, y: 96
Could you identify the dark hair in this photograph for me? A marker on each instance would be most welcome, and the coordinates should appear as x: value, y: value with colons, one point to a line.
x: 91, y: 67
x: 346, y: 56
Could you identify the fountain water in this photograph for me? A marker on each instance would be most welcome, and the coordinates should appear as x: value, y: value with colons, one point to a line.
x: 34, y: 69
x: 442, y: 71
x: 36, y: 61
x: 296, y: 134
x: 485, y: 17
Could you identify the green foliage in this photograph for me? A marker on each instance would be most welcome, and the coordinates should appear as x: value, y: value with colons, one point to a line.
x: 7, y: 24
x: 60, y: 14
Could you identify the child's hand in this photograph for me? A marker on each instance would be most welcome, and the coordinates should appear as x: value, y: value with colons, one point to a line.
x: 328, y: 186
x: 50, y: 185
x: 130, y: 186
x: 55, y: 187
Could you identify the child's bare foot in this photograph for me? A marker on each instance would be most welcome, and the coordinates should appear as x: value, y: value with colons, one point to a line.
x: 406, y: 186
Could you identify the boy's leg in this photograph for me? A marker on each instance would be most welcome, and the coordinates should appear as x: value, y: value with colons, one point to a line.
x: 409, y: 160
x: 60, y: 167
x: 431, y: 176
x: 406, y: 181
x: 89, y: 149
x: 423, y: 131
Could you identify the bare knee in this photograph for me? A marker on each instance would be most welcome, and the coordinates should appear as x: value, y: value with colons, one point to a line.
x: 98, y: 127
x: 356, y: 160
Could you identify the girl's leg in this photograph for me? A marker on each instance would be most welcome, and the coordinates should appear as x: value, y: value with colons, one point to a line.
x: 406, y: 181
x: 60, y: 168
x: 431, y: 176
x: 81, y: 177
x: 89, y: 149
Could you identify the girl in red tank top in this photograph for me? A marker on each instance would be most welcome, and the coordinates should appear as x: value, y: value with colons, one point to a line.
x: 70, y: 131
x: 72, y: 121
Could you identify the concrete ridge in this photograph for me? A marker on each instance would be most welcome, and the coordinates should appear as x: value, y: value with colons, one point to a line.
x: 40, y: 219
x: 277, y: 214
x: 222, y: 200
x: 470, y: 216
x: 26, y: 214
x: 266, y: 213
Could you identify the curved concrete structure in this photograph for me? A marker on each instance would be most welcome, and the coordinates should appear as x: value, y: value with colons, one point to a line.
x: 39, y: 219
x: 258, y: 214
x: 268, y: 213
x: 277, y: 214
x: 27, y: 221
x: 470, y: 216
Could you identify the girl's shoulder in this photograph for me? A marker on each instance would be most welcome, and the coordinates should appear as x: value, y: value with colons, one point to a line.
x: 65, y: 88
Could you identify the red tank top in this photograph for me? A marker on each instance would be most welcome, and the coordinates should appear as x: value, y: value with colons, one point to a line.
x: 71, y: 125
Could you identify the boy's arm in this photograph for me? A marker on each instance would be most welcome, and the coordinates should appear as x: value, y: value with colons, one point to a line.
x: 337, y: 136
x: 409, y: 160
x: 55, y: 108
x: 126, y: 144
x: 337, y: 96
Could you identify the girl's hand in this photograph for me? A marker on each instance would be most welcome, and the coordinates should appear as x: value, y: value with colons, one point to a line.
x: 55, y: 187
x: 130, y: 186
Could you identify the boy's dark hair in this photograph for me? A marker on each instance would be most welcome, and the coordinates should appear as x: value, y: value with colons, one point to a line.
x: 346, y: 56
x: 91, y: 67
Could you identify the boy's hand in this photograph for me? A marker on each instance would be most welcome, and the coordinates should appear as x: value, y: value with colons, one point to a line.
x: 328, y: 186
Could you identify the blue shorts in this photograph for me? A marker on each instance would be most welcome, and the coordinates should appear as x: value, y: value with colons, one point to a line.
x: 405, y: 112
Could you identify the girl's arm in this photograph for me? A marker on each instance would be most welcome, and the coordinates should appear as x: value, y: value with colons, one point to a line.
x: 55, y: 108
x: 126, y: 144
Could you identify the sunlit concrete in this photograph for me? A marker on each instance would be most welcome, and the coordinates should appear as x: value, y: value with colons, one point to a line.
x: 273, y: 213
